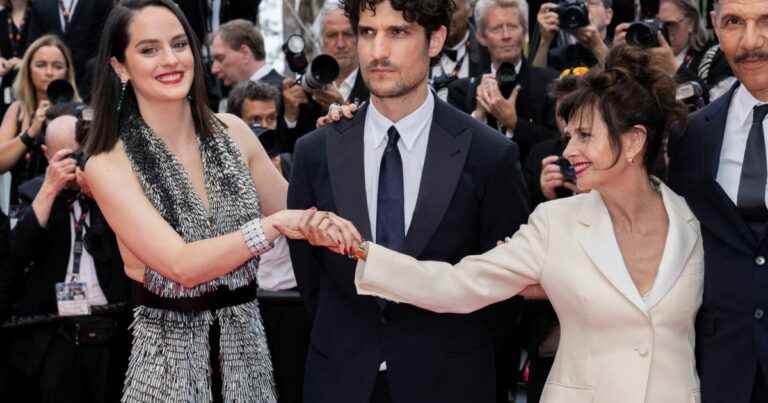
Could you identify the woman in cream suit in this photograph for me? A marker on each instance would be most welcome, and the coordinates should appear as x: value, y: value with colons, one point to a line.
x: 622, y: 264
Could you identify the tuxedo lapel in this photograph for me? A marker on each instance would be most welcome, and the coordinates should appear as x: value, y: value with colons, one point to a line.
x: 681, y: 239
x: 447, y: 151
x: 712, y: 146
x: 79, y: 13
x: 598, y: 240
x: 345, y: 153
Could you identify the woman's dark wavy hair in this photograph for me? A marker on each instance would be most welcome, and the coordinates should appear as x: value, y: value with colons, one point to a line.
x: 629, y: 91
x: 105, y: 129
x: 430, y: 14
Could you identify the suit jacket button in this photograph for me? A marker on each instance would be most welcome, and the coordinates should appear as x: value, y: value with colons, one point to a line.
x: 759, y: 313
x: 760, y: 261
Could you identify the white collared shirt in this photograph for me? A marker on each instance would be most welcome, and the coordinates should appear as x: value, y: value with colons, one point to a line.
x: 737, y: 128
x: 87, y: 266
x: 446, y: 66
x: 262, y: 72
x: 346, y: 86
x: 414, y: 136
x: 275, y: 269
x: 215, y: 15
x: 680, y: 57
x: 68, y: 5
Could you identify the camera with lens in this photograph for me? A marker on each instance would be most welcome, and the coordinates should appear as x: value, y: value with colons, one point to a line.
x: 60, y: 92
x: 644, y: 34
x: 569, y: 175
x: 268, y: 139
x: 573, y: 14
x: 323, y: 69
x: 692, y: 94
x: 507, y: 78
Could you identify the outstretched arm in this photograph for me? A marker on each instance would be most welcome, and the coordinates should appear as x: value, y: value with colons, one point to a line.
x: 473, y: 283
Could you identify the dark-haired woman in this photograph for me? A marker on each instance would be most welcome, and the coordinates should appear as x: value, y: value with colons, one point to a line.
x: 184, y: 191
x: 622, y: 265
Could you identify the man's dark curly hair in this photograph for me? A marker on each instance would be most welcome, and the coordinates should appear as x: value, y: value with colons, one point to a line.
x: 430, y: 14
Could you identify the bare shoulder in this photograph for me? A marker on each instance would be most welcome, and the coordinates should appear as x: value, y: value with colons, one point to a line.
x: 112, y: 164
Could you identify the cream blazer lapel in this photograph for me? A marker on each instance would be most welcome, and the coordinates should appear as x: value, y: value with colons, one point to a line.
x: 681, y: 239
x: 598, y: 240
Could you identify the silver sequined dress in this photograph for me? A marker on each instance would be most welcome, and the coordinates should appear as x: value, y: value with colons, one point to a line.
x: 170, y: 359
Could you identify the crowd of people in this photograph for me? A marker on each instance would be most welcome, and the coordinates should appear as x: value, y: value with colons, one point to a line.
x: 486, y: 199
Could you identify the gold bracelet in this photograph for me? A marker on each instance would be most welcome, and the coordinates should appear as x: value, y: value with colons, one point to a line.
x: 361, y: 251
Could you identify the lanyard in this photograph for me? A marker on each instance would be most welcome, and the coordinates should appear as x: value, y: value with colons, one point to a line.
x: 66, y: 13
x: 77, y: 249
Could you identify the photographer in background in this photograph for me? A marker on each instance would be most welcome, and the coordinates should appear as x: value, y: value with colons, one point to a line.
x: 302, y: 109
x: 76, y: 356
x: 590, y: 48
x: 238, y: 55
x: 526, y: 114
x: 286, y: 321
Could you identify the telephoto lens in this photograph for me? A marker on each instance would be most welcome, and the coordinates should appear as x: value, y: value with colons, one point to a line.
x: 573, y: 14
x: 644, y: 34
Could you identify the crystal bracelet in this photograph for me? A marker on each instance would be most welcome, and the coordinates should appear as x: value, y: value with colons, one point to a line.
x: 255, y: 239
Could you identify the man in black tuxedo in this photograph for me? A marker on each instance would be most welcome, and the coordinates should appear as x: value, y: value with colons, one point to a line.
x: 526, y: 115
x: 463, y: 56
x: 338, y: 40
x: 74, y: 358
x: 78, y: 23
x: 412, y: 172
x: 719, y: 166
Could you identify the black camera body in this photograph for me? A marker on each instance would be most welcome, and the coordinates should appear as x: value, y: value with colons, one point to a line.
x: 644, y: 33
x: 573, y: 14
x: 507, y: 78
x: 569, y: 174
x: 323, y: 69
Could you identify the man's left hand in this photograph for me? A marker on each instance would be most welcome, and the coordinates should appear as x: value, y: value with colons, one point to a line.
x: 590, y: 38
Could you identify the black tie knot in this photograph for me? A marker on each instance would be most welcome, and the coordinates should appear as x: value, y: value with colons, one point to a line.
x: 759, y: 113
x: 392, y: 137
x: 452, y: 54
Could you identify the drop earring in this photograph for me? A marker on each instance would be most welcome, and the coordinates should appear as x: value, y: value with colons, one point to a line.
x: 122, y: 96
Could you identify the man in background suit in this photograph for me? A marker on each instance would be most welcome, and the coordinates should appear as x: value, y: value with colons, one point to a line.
x: 338, y: 40
x: 719, y: 166
x: 78, y: 23
x: 77, y: 358
x: 238, y: 55
x: 413, y: 173
x: 528, y: 115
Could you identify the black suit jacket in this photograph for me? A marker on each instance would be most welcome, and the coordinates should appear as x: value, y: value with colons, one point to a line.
x: 471, y: 196
x: 731, y: 339
x: 310, y: 112
x: 38, y: 260
x: 83, y: 34
x: 535, y: 109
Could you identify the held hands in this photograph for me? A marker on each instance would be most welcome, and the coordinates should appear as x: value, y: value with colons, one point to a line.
x: 490, y: 100
x: 319, y: 228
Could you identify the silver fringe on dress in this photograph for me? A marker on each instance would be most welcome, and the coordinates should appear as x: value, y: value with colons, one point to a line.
x: 170, y: 358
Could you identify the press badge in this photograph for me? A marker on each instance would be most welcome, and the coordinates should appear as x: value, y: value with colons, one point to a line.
x: 72, y: 298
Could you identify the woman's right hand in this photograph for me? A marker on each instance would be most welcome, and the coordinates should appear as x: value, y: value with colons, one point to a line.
x: 38, y: 119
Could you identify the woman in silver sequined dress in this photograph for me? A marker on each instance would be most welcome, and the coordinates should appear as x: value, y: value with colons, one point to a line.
x: 184, y: 190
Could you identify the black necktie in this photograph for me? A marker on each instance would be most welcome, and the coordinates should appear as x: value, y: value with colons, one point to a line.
x: 390, y: 216
x: 751, y: 197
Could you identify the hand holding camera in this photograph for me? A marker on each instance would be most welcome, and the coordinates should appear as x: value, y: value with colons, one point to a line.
x: 556, y: 174
x: 549, y: 21
x: 38, y: 119
x: 497, y: 95
x: 61, y: 172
